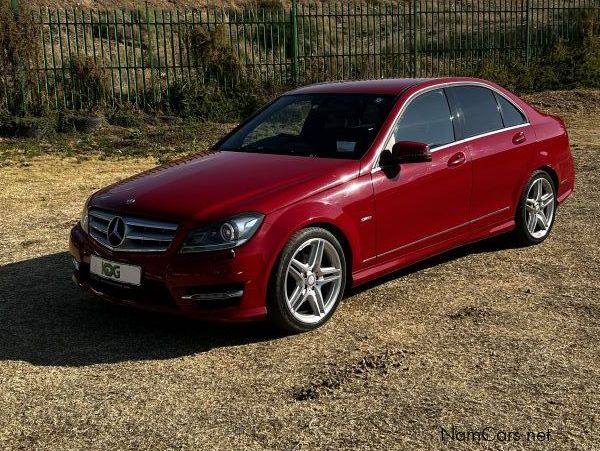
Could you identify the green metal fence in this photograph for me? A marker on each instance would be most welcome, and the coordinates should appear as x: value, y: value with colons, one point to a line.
x: 145, y: 52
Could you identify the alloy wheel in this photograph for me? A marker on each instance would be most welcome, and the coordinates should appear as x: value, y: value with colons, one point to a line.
x: 313, y: 280
x: 539, y: 208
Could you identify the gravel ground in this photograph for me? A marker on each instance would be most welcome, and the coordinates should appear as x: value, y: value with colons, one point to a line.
x: 485, y: 336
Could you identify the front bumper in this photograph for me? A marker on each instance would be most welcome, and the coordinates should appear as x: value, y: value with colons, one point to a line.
x: 182, y: 284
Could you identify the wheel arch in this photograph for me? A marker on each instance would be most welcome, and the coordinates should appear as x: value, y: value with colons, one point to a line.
x: 281, y: 316
x: 343, y: 239
x: 540, y: 167
x: 326, y: 216
x: 553, y: 175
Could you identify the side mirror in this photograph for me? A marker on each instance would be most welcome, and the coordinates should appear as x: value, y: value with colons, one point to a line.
x: 407, y: 152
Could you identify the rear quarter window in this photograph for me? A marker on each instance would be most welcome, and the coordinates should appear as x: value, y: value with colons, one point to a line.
x: 511, y: 116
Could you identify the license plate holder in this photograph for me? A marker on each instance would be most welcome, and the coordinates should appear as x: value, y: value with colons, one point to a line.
x: 116, y: 271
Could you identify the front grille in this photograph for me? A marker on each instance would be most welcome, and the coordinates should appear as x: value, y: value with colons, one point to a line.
x: 140, y: 234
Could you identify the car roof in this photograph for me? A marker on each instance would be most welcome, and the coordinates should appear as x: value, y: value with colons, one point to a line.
x: 387, y: 86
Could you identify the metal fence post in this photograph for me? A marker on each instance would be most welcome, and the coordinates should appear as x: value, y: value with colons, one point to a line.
x: 528, y: 32
x: 415, y: 43
x: 20, y: 68
x: 294, y: 20
x: 150, y: 57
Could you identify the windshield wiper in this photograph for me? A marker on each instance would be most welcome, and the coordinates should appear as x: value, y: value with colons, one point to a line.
x: 255, y: 149
x: 273, y: 150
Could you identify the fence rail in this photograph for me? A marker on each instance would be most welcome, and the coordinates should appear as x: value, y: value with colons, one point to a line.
x: 144, y: 52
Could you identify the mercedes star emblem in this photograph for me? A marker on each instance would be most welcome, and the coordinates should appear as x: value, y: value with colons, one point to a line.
x: 115, y: 233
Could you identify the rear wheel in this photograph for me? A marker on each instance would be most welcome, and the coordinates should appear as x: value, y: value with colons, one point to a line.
x: 308, y: 282
x: 537, y: 208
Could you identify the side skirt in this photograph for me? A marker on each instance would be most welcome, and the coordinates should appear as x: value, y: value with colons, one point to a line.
x: 403, y: 261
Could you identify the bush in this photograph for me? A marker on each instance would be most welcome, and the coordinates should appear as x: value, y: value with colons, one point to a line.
x: 587, y: 69
x: 211, y: 102
x: 26, y: 127
x: 20, y: 49
x: 210, y: 50
x: 270, y: 26
x: 88, y: 81
x: 128, y: 117
x: 64, y: 122
x: 567, y: 65
x: 272, y: 5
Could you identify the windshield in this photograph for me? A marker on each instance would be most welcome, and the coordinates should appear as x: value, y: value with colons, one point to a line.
x: 316, y: 125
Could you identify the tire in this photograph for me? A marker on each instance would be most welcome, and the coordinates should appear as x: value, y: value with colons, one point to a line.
x: 170, y: 120
x: 87, y: 124
x: 30, y: 131
x: 537, y: 206
x: 306, y: 291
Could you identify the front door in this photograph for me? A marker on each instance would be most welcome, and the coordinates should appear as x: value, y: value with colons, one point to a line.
x: 423, y: 204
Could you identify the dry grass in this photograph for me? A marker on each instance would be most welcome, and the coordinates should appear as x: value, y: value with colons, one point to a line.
x: 198, y: 3
x: 488, y: 335
x: 166, y: 4
x: 137, y: 4
x: 149, y: 138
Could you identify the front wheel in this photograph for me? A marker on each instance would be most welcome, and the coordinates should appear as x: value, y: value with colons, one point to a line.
x: 308, y: 281
x: 536, y: 211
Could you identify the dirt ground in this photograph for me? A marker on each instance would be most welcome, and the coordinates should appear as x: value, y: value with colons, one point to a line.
x: 488, y: 336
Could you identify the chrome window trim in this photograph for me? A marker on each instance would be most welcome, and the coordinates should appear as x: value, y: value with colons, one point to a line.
x: 416, y: 94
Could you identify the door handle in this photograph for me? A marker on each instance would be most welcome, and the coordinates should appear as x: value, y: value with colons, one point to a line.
x: 457, y: 159
x: 519, y: 138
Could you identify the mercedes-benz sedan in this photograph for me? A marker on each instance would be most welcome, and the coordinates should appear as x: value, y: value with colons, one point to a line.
x: 328, y: 186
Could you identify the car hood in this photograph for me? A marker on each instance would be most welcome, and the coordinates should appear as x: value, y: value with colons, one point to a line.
x: 221, y: 184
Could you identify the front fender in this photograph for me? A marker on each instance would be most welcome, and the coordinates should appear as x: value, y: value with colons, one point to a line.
x: 297, y: 217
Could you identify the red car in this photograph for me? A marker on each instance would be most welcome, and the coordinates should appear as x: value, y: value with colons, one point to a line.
x: 328, y: 186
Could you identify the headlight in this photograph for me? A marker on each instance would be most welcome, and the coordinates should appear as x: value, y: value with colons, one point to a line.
x: 223, y: 235
x: 83, y: 221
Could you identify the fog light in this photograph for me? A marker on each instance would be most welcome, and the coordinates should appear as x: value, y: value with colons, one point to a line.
x: 214, y: 296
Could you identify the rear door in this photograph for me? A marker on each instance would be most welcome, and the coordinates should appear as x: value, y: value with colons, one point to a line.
x: 500, y: 144
x: 423, y: 203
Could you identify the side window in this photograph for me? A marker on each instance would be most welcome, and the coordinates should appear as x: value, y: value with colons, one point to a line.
x: 479, y: 108
x: 427, y: 119
x: 510, y: 114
